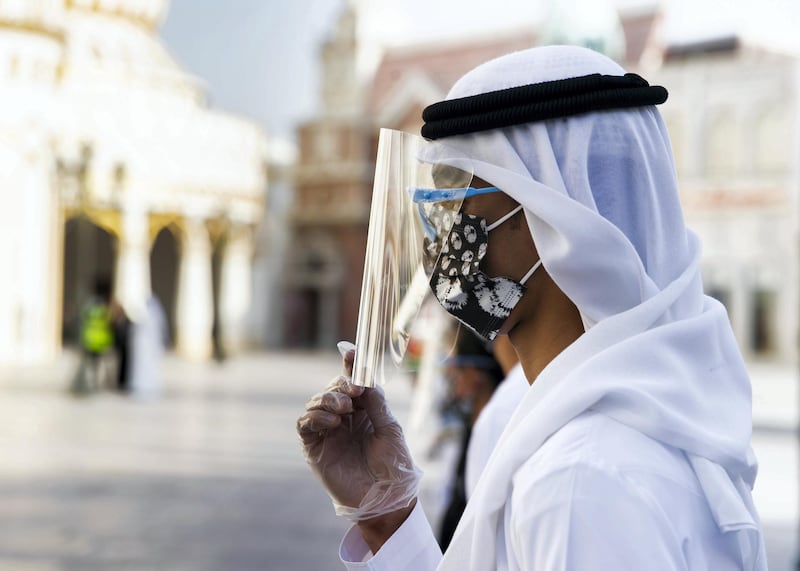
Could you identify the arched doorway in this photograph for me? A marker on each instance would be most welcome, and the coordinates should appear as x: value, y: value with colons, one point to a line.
x: 89, y: 255
x: 164, y: 263
x: 219, y: 229
x: 217, y: 253
x: 313, y: 287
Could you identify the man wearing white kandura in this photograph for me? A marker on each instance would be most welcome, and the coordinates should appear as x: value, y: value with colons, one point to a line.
x: 631, y: 450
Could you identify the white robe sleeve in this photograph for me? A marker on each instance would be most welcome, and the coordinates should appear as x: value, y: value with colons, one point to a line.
x: 582, y: 519
x: 413, y: 547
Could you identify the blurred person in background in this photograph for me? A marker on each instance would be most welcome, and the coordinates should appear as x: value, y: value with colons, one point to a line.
x: 473, y: 374
x: 121, y: 325
x: 631, y: 448
x: 432, y: 431
x: 435, y: 427
x: 96, y: 337
x: 150, y: 336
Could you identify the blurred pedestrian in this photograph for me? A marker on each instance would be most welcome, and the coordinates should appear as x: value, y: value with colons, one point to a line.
x: 473, y: 374
x: 433, y: 435
x: 150, y: 336
x: 219, y: 352
x: 121, y: 325
x: 96, y: 338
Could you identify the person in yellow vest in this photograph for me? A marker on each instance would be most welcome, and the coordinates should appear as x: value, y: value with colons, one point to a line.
x: 96, y: 338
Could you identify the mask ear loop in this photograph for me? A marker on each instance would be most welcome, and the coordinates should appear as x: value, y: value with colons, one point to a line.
x: 527, y: 276
x: 497, y: 223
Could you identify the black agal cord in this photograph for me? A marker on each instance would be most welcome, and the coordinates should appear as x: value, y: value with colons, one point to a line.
x: 538, y: 102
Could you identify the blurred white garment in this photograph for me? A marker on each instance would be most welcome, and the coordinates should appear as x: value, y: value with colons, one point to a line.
x: 148, y: 340
x: 491, y: 422
x: 433, y: 443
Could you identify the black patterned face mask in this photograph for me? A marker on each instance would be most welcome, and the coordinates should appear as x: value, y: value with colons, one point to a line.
x: 465, y: 292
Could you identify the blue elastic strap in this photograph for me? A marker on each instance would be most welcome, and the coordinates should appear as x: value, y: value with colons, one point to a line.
x: 444, y: 194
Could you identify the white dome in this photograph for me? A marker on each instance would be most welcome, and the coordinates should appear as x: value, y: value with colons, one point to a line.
x: 32, y: 14
x: 149, y: 12
x: 114, y: 45
x: 45, y: 14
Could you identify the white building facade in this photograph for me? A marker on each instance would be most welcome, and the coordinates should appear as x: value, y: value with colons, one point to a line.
x: 101, y: 129
x: 734, y: 119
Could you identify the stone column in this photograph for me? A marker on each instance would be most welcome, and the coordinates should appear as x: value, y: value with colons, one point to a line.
x: 28, y: 223
x: 9, y: 244
x: 39, y: 280
x: 132, y: 283
x: 195, y: 303
x: 236, y: 277
x: 741, y: 308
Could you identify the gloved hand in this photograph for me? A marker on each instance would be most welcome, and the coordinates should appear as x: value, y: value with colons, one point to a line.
x: 356, y: 448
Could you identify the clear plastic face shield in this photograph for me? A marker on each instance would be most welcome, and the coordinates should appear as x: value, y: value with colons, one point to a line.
x: 414, y: 204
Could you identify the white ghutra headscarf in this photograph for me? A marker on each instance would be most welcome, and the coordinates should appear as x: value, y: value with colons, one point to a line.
x: 599, y: 192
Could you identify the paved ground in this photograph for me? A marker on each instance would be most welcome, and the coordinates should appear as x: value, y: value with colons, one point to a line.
x: 208, y: 478
x: 211, y: 477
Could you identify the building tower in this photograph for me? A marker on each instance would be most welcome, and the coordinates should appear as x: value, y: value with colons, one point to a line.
x: 593, y: 24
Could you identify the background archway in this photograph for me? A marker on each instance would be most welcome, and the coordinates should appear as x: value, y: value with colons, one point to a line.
x: 217, y: 255
x: 90, y: 253
x: 164, y: 264
x: 314, y: 281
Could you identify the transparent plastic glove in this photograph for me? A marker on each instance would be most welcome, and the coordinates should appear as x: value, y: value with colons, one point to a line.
x: 356, y: 448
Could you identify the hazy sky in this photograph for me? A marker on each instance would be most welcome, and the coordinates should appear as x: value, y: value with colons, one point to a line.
x: 258, y: 57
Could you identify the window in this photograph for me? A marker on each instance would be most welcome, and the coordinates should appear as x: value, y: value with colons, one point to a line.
x: 325, y: 144
x: 722, y: 146
x: 762, y: 333
x: 773, y: 139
